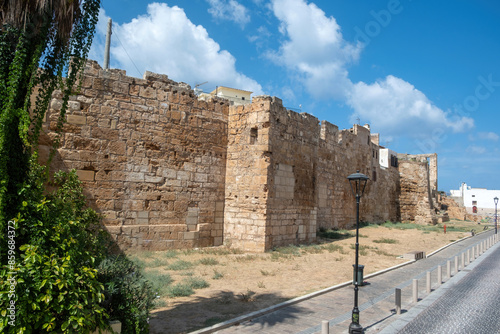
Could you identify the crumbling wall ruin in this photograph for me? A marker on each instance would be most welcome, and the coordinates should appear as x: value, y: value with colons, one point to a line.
x: 151, y: 156
x: 418, y: 195
x: 287, y: 176
x: 168, y: 170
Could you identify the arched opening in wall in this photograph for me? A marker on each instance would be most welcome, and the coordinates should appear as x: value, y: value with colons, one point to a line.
x: 254, y: 132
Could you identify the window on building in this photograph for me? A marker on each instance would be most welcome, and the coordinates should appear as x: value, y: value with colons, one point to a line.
x: 253, y: 135
x: 473, y: 195
x: 374, y: 176
x: 474, y: 202
x: 394, y: 161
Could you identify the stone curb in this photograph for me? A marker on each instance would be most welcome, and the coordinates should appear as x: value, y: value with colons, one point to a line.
x: 454, y: 242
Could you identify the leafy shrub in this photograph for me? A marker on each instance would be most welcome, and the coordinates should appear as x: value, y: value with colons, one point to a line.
x: 128, y: 294
x: 57, y: 244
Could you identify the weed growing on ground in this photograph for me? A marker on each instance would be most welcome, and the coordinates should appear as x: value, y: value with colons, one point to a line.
x: 197, y: 283
x: 138, y: 262
x: 289, y: 250
x: 267, y: 273
x: 217, y: 275
x: 383, y: 253
x: 159, y: 303
x: 261, y: 285
x: 334, y: 248
x: 335, y: 234
x: 170, y: 254
x: 180, y: 265
x: 179, y: 290
x: 385, y: 241
x: 313, y: 249
x: 279, y: 256
x: 247, y: 297
x: 208, y: 261
x: 158, y: 262
x: 159, y: 282
x: 247, y: 257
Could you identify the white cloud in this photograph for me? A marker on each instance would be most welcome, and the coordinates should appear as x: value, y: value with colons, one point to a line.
x: 394, y: 106
x: 488, y: 136
x: 230, y: 10
x: 314, y: 49
x: 476, y: 149
x: 165, y: 41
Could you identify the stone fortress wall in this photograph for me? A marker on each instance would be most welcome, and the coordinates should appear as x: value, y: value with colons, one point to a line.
x: 168, y: 170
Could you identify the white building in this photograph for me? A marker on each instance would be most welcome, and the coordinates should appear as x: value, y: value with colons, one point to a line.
x: 476, y: 200
x: 235, y: 96
x: 388, y: 158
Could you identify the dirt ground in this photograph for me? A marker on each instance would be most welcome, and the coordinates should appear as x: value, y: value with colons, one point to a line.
x: 242, y: 283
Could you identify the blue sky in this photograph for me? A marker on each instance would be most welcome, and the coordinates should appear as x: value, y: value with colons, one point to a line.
x: 424, y: 74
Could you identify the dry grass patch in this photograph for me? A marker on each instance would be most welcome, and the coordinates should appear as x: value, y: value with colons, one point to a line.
x: 240, y: 283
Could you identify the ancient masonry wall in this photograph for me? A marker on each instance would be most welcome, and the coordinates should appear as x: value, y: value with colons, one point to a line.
x: 417, y: 203
x: 170, y: 171
x: 286, y: 176
x: 152, y: 158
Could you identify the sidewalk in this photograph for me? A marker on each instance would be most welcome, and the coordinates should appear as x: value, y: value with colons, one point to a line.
x: 376, y: 300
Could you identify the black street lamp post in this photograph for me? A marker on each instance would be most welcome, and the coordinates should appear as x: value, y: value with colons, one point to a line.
x: 496, y: 202
x: 358, y: 183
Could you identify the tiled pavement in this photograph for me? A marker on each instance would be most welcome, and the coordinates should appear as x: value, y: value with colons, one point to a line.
x: 376, y: 299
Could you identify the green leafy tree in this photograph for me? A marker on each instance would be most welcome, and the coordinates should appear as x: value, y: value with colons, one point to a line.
x: 49, y: 244
x: 41, y: 43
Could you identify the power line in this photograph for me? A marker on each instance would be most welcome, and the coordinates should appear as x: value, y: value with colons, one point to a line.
x: 127, y: 53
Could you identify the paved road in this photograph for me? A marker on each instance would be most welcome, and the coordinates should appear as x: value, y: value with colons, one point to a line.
x: 470, y: 304
x: 376, y: 299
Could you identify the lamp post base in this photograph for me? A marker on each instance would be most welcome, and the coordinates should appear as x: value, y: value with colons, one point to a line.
x: 355, y: 328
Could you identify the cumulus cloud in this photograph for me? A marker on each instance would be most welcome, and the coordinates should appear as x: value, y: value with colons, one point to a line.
x: 165, y: 41
x: 395, y: 106
x: 314, y: 48
x: 229, y: 10
x: 488, y: 136
x: 315, y: 51
x: 476, y: 149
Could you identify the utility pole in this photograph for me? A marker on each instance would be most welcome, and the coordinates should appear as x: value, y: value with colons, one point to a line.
x: 108, y: 42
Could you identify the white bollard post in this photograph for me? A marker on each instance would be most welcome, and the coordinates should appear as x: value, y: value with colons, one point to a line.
x: 325, y: 329
x: 398, y: 301
x: 463, y: 260
x: 467, y: 259
x: 456, y: 264
x: 440, y: 275
x: 415, y: 290
x: 448, y: 269
x: 428, y: 282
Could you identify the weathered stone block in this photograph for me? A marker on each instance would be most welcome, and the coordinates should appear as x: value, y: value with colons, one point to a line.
x: 76, y: 119
x: 86, y: 175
